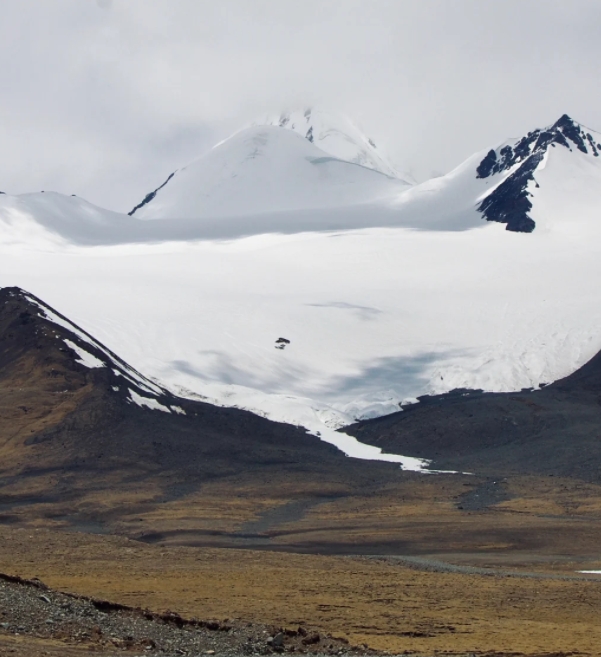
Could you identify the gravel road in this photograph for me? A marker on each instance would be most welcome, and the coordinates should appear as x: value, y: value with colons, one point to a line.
x: 433, y: 565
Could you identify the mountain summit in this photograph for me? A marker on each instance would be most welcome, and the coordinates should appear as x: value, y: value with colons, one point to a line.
x: 565, y: 132
x: 510, y: 202
x: 266, y: 169
x: 337, y: 135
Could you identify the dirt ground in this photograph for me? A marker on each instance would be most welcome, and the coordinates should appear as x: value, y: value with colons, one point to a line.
x: 30, y: 647
x: 231, y: 550
x: 388, y: 606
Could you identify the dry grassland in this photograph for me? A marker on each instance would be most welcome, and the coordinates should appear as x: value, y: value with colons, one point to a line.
x: 387, y: 606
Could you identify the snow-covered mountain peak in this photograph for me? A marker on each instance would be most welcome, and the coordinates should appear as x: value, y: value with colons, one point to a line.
x: 337, y: 135
x: 263, y: 169
x: 518, y: 161
x: 564, y: 132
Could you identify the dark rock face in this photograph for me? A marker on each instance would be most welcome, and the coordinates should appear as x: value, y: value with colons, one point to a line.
x: 149, y: 197
x: 488, y: 165
x: 509, y: 203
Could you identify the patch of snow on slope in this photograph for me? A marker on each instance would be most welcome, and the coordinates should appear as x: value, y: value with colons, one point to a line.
x: 147, y: 402
x: 121, y: 369
x: 352, y: 447
x: 319, y: 419
x: 85, y: 358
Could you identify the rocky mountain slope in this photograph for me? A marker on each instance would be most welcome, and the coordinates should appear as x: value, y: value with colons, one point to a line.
x: 75, y: 420
x: 551, y: 431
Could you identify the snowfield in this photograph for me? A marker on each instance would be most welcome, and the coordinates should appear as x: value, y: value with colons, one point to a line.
x: 419, y: 295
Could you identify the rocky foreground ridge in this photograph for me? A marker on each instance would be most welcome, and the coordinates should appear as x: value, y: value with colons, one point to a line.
x: 30, y: 608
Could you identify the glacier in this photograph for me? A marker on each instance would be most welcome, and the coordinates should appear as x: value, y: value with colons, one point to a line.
x: 408, y: 294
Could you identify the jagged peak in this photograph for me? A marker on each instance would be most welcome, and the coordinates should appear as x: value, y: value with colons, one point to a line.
x: 509, y: 202
x: 564, y: 132
x: 563, y: 120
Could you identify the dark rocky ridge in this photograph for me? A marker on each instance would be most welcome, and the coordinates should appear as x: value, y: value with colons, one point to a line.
x: 150, y: 196
x: 509, y: 203
x: 552, y: 431
x: 565, y: 132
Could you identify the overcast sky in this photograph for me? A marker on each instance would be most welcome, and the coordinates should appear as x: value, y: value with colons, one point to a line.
x: 104, y: 98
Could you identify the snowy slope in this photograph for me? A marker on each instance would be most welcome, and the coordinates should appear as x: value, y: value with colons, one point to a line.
x: 46, y: 218
x: 261, y: 170
x: 337, y: 135
x: 447, y: 203
x: 374, y: 315
x: 52, y: 218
